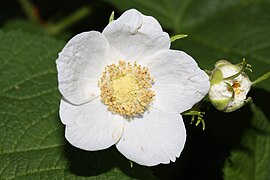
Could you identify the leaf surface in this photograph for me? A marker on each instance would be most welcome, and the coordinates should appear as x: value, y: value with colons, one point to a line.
x: 252, y: 161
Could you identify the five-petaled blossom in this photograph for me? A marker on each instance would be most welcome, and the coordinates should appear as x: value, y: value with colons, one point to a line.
x: 126, y: 87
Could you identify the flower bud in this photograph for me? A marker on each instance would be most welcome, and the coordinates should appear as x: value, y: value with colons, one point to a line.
x: 229, y: 86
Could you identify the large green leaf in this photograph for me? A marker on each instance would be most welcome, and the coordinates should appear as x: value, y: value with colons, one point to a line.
x: 217, y: 29
x: 31, y: 134
x: 252, y: 161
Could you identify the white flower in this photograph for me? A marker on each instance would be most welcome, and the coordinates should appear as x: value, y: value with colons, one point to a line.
x: 229, y: 86
x: 124, y: 86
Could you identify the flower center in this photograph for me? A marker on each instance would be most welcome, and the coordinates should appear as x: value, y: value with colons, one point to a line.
x: 236, y: 87
x: 126, y: 88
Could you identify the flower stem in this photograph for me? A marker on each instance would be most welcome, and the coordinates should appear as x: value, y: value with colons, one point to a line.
x: 57, y: 28
x: 262, y: 78
x: 30, y: 10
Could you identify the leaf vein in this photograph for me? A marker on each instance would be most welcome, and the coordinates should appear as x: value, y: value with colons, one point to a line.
x: 15, y: 53
x: 31, y: 125
x: 30, y: 150
x: 27, y: 79
x: 32, y: 96
x: 38, y: 171
x: 47, y: 135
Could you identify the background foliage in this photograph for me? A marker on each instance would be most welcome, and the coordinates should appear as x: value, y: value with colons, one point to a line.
x: 32, y: 144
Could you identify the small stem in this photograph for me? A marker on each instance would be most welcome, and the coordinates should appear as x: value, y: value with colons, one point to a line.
x: 131, y: 164
x: 262, y: 78
x: 111, y: 17
x: 203, y: 125
x: 192, y: 113
x: 57, y: 28
x: 199, y: 116
x: 30, y: 11
x: 230, y: 88
x: 208, y: 72
x: 248, y: 100
x: 243, y: 68
x: 178, y: 36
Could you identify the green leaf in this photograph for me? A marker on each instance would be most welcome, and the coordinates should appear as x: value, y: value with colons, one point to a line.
x: 253, y: 160
x: 31, y: 135
x: 217, y: 29
x: 24, y: 25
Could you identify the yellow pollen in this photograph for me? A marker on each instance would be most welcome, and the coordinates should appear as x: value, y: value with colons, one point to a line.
x: 126, y: 88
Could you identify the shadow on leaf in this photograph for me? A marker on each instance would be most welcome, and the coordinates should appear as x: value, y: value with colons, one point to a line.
x: 107, y: 162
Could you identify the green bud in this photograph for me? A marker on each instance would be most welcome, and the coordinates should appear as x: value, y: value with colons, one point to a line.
x: 229, y: 85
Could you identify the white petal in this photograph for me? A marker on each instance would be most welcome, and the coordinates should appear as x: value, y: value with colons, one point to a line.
x: 134, y: 36
x: 155, y: 138
x: 179, y: 82
x: 80, y: 65
x: 90, y: 126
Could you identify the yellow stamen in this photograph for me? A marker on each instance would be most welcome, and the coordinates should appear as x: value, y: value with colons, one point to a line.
x: 236, y: 87
x: 126, y: 88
